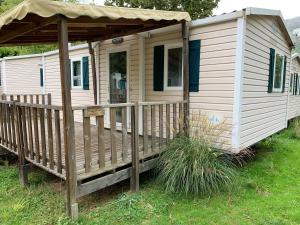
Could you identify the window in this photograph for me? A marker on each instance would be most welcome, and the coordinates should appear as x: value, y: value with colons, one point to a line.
x: 295, y: 80
x: 278, y: 73
x: 76, y: 73
x: 173, y: 67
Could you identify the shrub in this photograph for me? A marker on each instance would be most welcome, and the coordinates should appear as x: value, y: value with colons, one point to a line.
x: 195, y: 164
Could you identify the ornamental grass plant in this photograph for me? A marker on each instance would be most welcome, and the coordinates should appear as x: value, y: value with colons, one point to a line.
x: 197, y: 164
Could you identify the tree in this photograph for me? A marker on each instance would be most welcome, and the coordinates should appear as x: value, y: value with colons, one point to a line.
x: 196, y: 8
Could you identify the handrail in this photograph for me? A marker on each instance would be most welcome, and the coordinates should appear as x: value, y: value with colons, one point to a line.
x: 103, y: 106
x: 58, y: 107
x: 39, y: 106
x: 117, y: 105
x: 162, y: 102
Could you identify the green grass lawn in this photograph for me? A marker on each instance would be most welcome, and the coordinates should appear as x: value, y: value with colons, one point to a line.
x: 268, y: 192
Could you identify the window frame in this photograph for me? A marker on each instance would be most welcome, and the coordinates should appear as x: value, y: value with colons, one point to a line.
x: 278, y: 90
x: 76, y: 59
x: 166, y: 58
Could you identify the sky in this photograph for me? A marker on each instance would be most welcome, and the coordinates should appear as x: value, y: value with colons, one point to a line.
x: 289, y: 8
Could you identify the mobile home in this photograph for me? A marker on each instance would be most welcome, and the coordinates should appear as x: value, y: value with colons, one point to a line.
x: 240, y: 66
x: 235, y: 68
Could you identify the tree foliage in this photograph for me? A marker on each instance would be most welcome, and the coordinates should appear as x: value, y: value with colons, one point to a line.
x: 196, y: 8
x: 22, y: 50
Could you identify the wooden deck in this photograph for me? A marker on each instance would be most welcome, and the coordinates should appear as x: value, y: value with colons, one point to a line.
x: 106, y: 151
x: 124, y: 155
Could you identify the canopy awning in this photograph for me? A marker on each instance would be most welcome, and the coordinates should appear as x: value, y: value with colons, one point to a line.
x: 35, y: 21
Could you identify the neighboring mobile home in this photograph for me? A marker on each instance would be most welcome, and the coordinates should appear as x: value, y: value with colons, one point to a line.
x: 294, y: 91
x: 22, y: 74
x: 239, y: 72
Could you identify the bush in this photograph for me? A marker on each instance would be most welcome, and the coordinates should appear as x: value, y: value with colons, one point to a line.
x: 194, y: 164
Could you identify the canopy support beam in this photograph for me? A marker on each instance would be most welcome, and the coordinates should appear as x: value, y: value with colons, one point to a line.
x: 27, y: 29
x: 93, y: 61
x: 68, y: 119
x: 186, y: 92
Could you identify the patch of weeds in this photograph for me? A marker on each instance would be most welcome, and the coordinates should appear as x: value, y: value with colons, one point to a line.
x: 132, y: 206
x: 4, y: 162
x: 37, y: 177
x: 295, y: 128
x: 271, y: 144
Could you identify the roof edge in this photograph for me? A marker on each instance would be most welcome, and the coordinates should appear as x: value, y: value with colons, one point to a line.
x: 217, y: 19
x: 49, y: 53
x: 270, y: 12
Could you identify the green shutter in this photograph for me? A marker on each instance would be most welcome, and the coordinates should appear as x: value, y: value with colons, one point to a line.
x: 284, y: 74
x: 158, y: 68
x: 41, y: 77
x: 85, y: 69
x: 194, y: 65
x: 292, y: 83
x: 271, y: 70
x: 296, y: 84
x: 70, y: 75
x: 298, y: 87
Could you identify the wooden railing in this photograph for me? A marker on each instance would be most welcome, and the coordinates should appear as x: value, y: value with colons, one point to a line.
x: 130, y: 138
x: 107, y: 137
x: 29, y: 98
x: 34, y: 132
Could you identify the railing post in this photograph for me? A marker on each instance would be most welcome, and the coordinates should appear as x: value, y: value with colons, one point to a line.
x: 186, y: 93
x: 135, y: 172
x: 23, y: 167
x: 49, y: 101
x: 68, y: 120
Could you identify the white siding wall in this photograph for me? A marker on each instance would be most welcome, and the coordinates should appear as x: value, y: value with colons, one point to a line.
x: 23, y: 76
x: 294, y: 100
x: 2, y: 78
x: 217, y: 71
x: 263, y: 113
x: 52, y: 80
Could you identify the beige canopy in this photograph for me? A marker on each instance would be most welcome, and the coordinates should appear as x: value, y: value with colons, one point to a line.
x: 35, y: 21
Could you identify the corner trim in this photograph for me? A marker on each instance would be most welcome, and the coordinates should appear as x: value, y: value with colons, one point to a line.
x: 4, y: 84
x: 238, y: 84
x: 141, y: 68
